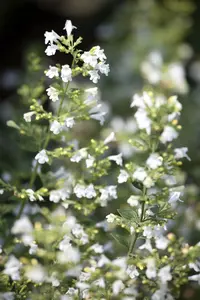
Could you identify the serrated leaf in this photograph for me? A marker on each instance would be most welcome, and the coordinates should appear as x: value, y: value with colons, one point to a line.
x: 128, y: 214
x: 120, y: 239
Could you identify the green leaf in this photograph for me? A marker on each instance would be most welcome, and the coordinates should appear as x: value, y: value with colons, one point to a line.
x: 129, y: 214
x: 120, y: 239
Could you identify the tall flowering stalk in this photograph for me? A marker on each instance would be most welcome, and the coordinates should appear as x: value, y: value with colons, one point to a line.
x: 59, y: 244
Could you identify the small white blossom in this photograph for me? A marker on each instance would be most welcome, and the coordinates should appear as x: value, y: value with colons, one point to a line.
x: 65, y: 244
x: 143, y: 120
x: 23, y: 225
x: 79, y: 155
x: 31, y: 194
x: 151, y: 268
x: 33, y: 248
x: 90, y: 192
x: 161, y: 242
x: 52, y: 72
x: 132, y: 272
x: 69, y: 27
x: 103, y: 68
x: 94, y: 76
x: 51, y: 36
x: 181, y: 153
x: 154, y: 161
x: 117, y: 287
x: 36, y: 274
x: 100, y: 116
x: 97, y: 248
x: 195, y: 277
x: 123, y: 176
x: 174, y: 197
x: 99, y: 53
x: 110, y: 218
x: 66, y: 73
x: 110, y: 138
x: 148, y: 232
x: 51, y: 50
x: 146, y: 246
x: 28, y: 115
x: 89, y: 59
x: 90, y: 161
x: 72, y: 292
x: 117, y: 158
x: 69, y: 122
x: 1, y: 191
x: 79, y: 190
x: 56, y: 127
x: 148, y: 182
x: 168, y: 134
x: 164, y: 274
x: 140, y: 174
x: 53, y: 93
x: 42, y: 157
x: 133, y: 200
x: 12, y: 268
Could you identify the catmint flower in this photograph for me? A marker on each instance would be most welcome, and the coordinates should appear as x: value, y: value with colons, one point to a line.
x: 53, y: 93
x: 28, y: 115
x: 110, y: 218
x: 42, y: 157
x: 110, y: 138
x: 90, y: 191
x: 94, y: 76
x: 1, y: 191
x: 148, y: 182
x: 148, y: 232
x: 72, y: 292
x: 12, y: 268
x: 132, y: 272
x: 99, y: 117
x: 51, y: 50
x: 117, y: 158
x: 138, y: 101
x: 168, y: 134
x: 151, y: 268
x: 133, y: 200
x: 66, y: 73
x: 56, y: 127
x: 143, y: 121
x: 123, y: 176
x: 117, y: 287
x: 65, y: 244
x: 52, y: 72
x: 36, y: 274
x: 33, y: 248
x: 161, y: 243
x: 51, y: 36
x: 89, y: 59
x: 140, y: 174
x: 69, y: 27
x: 79, y: 233
x: 31, y: 195
x: 181, y: 153
x: 173, y: 101
x: 146, y: 246
x: 79, y: 155
x: 99, y: 53
x: 90, y: 161
x: 100, y: 283
x: 23, y: 225
x: 103, y: 68
x: 195, y: 278
x: 154, y: 161
x: 79, y: 190
x: 57, y: 195
x: 97, y: 248
x: 174, y: 197
x: 164, y: 274
x: 69, y: 122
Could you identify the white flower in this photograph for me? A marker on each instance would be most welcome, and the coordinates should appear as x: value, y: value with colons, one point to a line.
x: 143, y: 121
x: 151, y: 268
x: 100, y: 283
x: 110, y: 218
x: 195, y: 277
x: 99, y: 53
x: 154, y: 161
x: 51, y: 50
x: 51, y: 36
x: 72, y: 255
x: 42, y: 157
x: 31, y: 194
x: 148, y: 182
x: 56, y: 127
x: 72, y: 292
x: 33, y: 248
x: 90, y: 191
x: 66, y: 73
x: 28, y: 115
x: 94, y: 76
x: 161, y: 243
x: 123, y: 176
x: 23, y: 225
x: 69, y: 27
x: 1, y: 191
x: 140, y: 174
x: 79, y: 155
x: 52, y: 72
x: 132, y: 272
x: 65, y: 244
x: 181, y: 153
x: 36, y: 274
x: 103, y: 68
x: 89, y: 59
x: 53, y: 93
x: 133, y: 200
x: 110, y: 138
x: 12, y: 268
x: 117, y: 158
x: 164, y: 274
x: 79, y: 190
x: 174, y: 197
x: 90, y: 161
x: 138, y: 101
x: 69, y: 122
x: 100, y: 116
x: 79, y: 233
x: 117, y: 287
x: 148, y: 232
x: 168, y: 134
x: 97, y: 248
x: 147, y: 246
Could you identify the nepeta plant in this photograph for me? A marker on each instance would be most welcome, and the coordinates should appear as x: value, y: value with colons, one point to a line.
x: 57, y: 242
